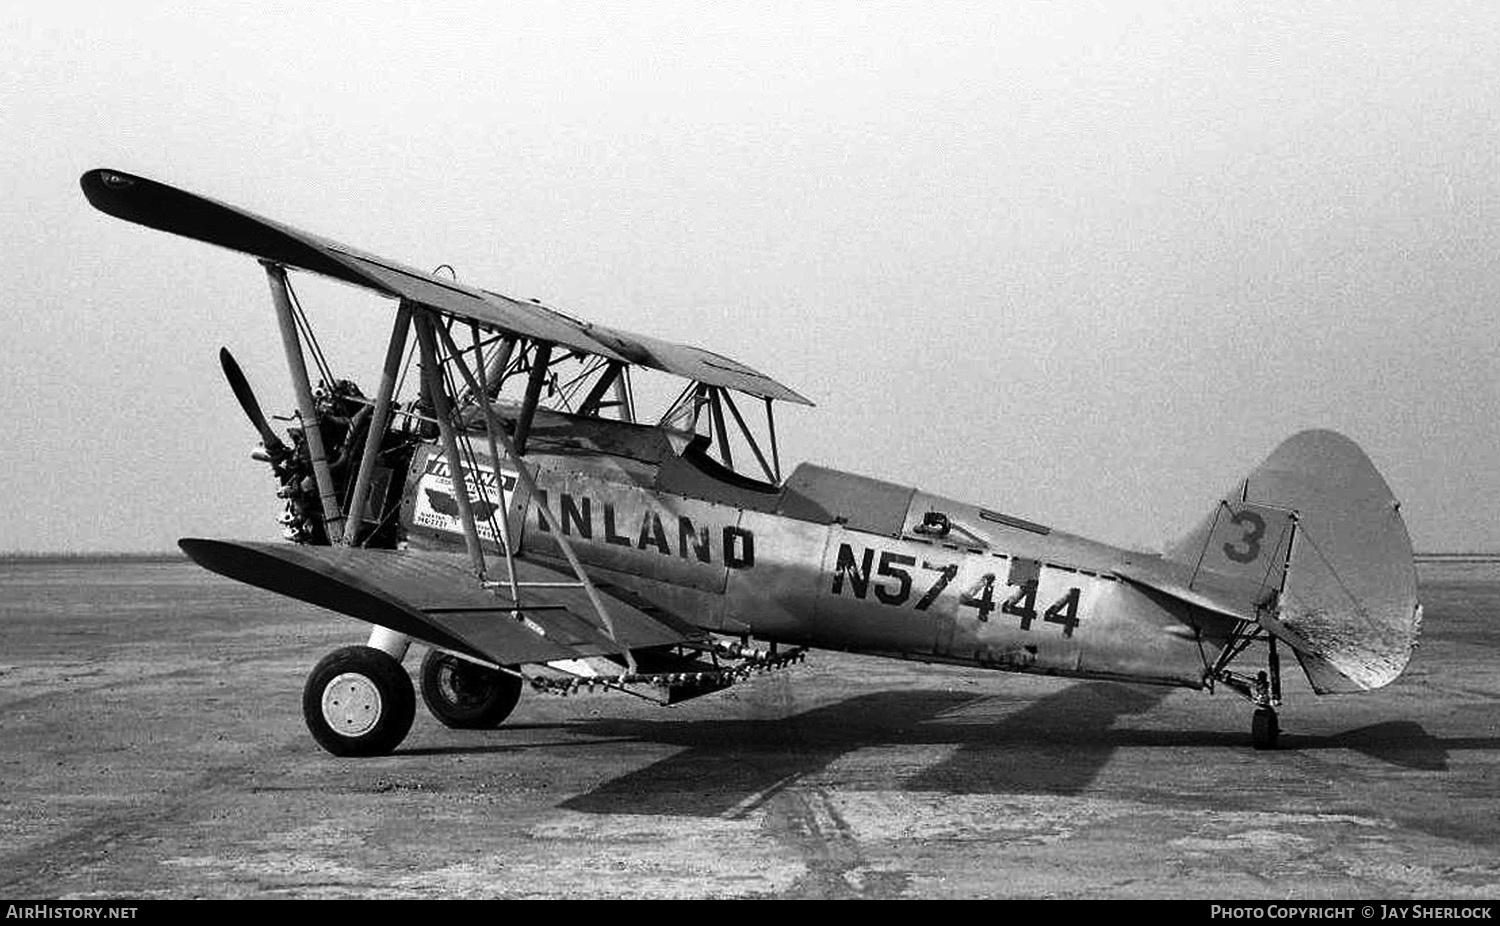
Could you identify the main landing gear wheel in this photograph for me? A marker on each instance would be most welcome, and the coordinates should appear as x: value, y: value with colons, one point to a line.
x: 466, y: 696
x: 1264, y: 728
x: 358, y: 701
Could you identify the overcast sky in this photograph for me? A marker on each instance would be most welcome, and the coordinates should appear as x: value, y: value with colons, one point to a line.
x: 1084, y: 263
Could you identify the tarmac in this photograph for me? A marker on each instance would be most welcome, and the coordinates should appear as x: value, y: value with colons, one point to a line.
x: 152, y: 746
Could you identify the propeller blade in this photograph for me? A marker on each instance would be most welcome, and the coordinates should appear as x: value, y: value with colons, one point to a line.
x: 242, y: 391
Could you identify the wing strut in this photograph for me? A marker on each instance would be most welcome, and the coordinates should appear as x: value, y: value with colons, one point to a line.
x: 687, y: 410
x: 716, y: 408
x: 541, y: 354
x: 333, y: 518
x: 612, y: 377
x: 427, y: 332
x: 484, y: 399
x: 771, y: 431
x: 443, y: 411
x: 772, y: 474
x: 378, y: 422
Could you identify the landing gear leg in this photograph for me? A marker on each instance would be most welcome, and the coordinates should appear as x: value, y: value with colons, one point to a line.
x: 1265, y: 728
x: 1264, y: 690
x: 389, y: 642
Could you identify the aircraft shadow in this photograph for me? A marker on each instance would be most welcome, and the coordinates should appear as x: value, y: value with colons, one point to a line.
x: 1056, y: 745
x: 1400, y: 742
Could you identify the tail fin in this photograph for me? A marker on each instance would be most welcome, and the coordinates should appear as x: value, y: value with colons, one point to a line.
x: 1317, y: 523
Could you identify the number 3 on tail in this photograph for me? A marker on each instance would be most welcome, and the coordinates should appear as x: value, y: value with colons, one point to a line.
x: 1247, y: 549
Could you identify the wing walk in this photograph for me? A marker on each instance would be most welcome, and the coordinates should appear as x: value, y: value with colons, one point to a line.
x: 156, y: 205
x: 433, y: 597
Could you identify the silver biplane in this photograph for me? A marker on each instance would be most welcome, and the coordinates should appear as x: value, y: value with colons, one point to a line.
x: 521, y: 518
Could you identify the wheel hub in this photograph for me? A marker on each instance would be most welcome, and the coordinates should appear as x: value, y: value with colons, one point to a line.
x: 463, y: 689
x: 351, y: 704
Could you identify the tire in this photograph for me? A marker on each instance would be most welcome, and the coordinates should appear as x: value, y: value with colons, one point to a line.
x: 1265, y: 729
x: 358, y: 701
x: 465, y: 696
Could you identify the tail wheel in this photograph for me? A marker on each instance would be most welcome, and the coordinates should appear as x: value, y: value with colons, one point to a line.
x: 358, y: 701
x: 466, y: 696
x: 1265, y: 728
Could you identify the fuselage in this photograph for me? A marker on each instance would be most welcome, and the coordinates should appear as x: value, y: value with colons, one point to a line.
x: 828, y: 559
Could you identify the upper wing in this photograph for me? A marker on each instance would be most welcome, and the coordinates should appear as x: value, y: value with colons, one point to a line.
x: 434, y: 597
x: 157, y: 205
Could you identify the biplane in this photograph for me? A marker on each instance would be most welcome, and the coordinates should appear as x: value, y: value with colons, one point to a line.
x: 526, y: 520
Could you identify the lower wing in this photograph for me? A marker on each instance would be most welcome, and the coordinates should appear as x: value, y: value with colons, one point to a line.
x: 435, y: 598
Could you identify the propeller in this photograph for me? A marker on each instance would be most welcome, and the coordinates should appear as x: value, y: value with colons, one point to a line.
x: 241, y: 387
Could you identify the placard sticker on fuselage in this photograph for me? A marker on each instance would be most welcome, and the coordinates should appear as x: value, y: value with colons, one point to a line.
x: 437, y: 505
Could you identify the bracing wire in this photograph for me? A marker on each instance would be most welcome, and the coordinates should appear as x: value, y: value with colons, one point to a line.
x: 411, y: 351
x: 324, y: 370
x: 471, y: 461
x: 682, y: 397
x: 571, y: 387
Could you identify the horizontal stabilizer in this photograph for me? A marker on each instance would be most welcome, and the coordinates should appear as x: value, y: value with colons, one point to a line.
x: 1178, y: 581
